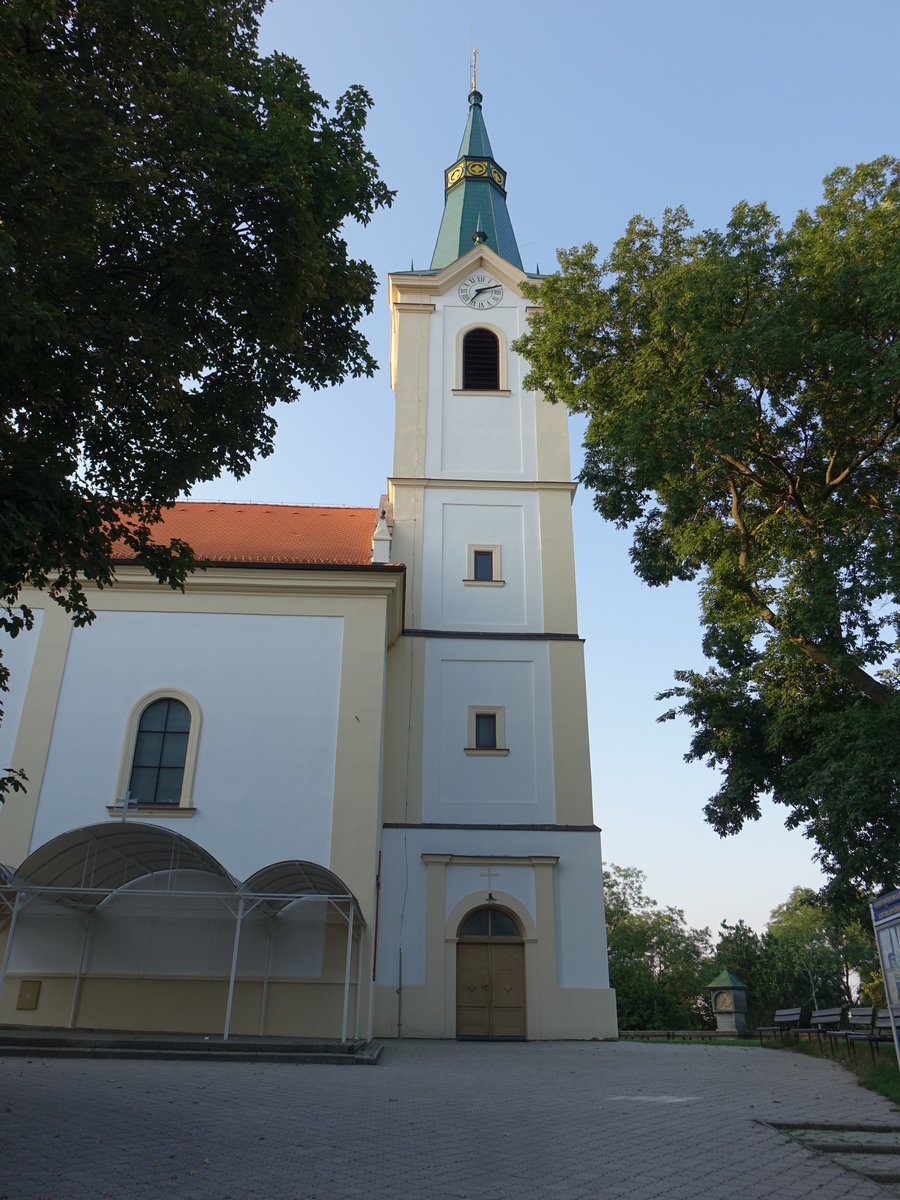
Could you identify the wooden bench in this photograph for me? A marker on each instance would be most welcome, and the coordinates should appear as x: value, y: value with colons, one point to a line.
x: 676, y: 1035
x: 785, y: 1019
x: 860, y: 1020
x: 882, y: 1032
x: 822, y: 1021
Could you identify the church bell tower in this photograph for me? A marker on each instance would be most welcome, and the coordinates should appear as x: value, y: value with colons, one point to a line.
x: 491, y: 910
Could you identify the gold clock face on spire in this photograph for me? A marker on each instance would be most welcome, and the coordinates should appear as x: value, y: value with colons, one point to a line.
x: 480, y: 291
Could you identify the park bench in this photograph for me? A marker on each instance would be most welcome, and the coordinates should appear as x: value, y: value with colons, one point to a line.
x: 675, y: 1035
x: 882, y: 1032
x: 822, y: 1021
x: 785, y: 1019
x: 860, y: 1020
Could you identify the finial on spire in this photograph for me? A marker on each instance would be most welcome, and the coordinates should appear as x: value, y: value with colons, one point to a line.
x: 474, y: 87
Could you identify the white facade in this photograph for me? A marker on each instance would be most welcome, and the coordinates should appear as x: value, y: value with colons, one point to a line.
x: 404, y: 732
x: 484, y: 469
x: 268, y: 742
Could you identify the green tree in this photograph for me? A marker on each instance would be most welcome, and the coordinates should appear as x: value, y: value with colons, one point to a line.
x: 744, y: 421
x: 657, y: 964
x: 802, y: 956
x: 740, y: 951
x: 171, y: 265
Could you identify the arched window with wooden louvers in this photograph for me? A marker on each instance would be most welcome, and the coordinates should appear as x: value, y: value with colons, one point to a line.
x: 481, y: 361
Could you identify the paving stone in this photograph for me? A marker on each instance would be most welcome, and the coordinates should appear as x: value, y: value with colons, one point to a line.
x: 434, y: 1121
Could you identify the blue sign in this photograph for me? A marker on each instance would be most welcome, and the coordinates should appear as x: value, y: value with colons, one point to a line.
x: 886, y: 906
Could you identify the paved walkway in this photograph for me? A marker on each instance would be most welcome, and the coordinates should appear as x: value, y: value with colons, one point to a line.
x: 433, y: 1120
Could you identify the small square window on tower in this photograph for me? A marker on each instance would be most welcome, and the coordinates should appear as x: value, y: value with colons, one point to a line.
x: 486, y: 730
x: 483, y: 566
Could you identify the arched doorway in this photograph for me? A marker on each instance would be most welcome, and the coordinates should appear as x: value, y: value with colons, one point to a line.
x: 490, y: 976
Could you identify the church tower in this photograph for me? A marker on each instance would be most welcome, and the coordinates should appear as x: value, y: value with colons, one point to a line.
x: 491, y: 920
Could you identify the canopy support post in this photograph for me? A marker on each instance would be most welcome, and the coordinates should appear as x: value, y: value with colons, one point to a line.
x: 347, y: 971
x: 359, y: 938
x: 19, y: 903
x: 234, y: 959
x: 76, y: 991
x: 265, y: 990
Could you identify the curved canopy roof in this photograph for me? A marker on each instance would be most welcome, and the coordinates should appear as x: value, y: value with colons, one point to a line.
x: 82, y: 867
x: 292, y: 880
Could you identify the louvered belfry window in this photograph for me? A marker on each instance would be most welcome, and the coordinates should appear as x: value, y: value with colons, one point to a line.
x: 481, y: 361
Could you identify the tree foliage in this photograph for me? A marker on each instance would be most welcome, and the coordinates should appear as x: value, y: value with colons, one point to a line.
x: 171, y: 265
x: 802, y: 949
x: 811, y: 953
x: 743, y: 394
x: 657, y: 964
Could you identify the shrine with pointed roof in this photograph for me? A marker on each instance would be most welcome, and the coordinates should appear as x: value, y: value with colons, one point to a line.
x: 374, y: 717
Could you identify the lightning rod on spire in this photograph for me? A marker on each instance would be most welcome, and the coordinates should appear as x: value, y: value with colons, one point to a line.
x: 474, y: 88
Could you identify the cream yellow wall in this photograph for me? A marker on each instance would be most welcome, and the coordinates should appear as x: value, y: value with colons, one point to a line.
x: 403, y: 731
x: 311, y: 1007
x: 558, y: 560
x: 407, y: 499
x: 409, y: 378
x: 35, y: 727
x: 571, y: 742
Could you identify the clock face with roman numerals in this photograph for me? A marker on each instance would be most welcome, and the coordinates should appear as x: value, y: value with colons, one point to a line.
x: 480, y: 291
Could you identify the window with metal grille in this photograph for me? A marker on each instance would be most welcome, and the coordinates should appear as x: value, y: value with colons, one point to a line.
x: 481, y: 361
x: 157, y: 768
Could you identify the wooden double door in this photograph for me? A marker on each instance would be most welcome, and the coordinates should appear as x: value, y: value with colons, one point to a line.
x: 490, y: 989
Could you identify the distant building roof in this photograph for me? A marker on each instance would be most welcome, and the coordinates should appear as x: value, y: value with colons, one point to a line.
x: 283, y: 534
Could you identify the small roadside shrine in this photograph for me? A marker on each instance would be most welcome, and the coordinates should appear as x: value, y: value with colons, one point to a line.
x: 729, y: 1001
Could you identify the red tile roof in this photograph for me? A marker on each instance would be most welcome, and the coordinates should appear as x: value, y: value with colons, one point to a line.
x: 287, y: 534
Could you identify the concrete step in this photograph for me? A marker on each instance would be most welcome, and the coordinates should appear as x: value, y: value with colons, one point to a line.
x: 19, y: 1043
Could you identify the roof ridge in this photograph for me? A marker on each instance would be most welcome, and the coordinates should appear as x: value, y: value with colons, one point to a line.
x: 282, y: 504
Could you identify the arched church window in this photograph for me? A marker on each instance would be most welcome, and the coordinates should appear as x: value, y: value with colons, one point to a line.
x: 160, y: 752
x: 489, y: 922
x: 481, y: 361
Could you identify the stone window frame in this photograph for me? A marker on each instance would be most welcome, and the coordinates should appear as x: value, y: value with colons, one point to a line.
x: 500, y: 750
x: 502, y: 351
x: 496, y: 579
x: 185, y: 806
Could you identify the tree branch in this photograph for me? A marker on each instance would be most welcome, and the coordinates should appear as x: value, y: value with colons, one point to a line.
x: 841, y: 663
x: 738, y: 518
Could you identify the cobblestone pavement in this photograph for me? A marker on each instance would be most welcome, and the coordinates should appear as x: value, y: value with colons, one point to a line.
x: 433, y: 1119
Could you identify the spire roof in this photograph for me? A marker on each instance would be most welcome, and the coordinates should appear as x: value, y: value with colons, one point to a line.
x: 475, y: 198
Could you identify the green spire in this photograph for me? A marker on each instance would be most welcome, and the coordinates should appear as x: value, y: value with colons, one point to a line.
x: 475, y: 199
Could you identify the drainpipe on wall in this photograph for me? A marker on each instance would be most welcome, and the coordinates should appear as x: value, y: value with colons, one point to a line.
x: 400, y: 994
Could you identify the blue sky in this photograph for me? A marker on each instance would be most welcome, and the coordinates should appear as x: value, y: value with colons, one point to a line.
x: 596, y: 112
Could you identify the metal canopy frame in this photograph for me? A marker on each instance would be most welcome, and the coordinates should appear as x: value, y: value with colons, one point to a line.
x: 84, y: 867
